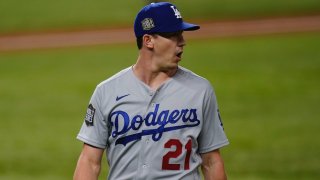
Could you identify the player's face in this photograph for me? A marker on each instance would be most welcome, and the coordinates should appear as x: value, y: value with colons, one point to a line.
x: 168, y: 49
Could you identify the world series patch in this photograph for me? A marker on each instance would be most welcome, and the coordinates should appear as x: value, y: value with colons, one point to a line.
x: 221, y: 124
x: 90, y: 115
x: 147, y: 24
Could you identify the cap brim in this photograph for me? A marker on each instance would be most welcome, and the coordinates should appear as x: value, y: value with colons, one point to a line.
x: 182, y: 26
x: 189, y: 27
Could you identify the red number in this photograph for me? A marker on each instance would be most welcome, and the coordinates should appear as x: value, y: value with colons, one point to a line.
x: 187, y: 160
x: 172, y: 154
x: 176, y: 153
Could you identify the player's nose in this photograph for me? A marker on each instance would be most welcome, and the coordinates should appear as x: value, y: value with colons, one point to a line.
x: 181, y: 41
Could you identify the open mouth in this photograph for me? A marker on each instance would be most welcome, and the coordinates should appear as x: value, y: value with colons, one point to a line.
x: 179, y: 55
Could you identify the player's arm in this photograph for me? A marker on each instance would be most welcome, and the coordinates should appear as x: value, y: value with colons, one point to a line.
x: 212, y: 166
x: 89, y: 163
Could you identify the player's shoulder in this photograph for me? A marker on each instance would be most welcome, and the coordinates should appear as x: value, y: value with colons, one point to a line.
x: 191, y: 78
x: 116, y: 77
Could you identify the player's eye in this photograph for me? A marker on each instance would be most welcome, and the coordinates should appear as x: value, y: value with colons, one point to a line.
x: 171, y: 34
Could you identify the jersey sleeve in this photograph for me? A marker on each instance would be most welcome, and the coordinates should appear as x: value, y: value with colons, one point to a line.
x: 94, y: 129
x: 212, y: 135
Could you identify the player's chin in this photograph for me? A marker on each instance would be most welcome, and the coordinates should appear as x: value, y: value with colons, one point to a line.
x: 175, y: 63
x: 177, y: 59
x: 172, y: 66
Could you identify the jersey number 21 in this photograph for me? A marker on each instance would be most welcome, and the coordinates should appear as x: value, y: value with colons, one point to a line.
x: 176, y: 153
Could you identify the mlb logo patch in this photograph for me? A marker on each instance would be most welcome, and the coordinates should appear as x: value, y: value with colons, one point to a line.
x: 90, y: 115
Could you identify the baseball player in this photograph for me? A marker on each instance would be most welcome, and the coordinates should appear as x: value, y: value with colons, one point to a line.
x: 155, y: 119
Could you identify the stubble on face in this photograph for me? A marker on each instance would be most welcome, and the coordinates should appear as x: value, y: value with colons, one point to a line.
x: 169, y: 50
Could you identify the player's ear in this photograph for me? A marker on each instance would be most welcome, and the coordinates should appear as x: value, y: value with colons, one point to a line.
x: 147, y: 40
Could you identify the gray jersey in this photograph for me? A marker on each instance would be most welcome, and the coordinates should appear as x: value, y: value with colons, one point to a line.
x: 154, y: 134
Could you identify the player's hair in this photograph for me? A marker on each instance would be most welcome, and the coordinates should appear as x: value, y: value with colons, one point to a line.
x: 139, y: 42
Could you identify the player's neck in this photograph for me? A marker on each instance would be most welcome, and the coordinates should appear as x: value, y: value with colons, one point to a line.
x: 145, y: 71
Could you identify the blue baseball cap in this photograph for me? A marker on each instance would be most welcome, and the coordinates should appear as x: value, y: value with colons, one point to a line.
x: 161, y: 17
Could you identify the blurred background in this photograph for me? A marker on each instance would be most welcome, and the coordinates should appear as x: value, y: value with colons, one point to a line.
x: 267, y: 85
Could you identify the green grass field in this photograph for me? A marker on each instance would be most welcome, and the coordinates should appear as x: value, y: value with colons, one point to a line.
x: 267, y: 88
x: 37, y: 15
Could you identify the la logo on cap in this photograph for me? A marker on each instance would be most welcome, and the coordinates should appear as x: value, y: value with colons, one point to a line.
x: 176, y: 12
x: 147, y: 24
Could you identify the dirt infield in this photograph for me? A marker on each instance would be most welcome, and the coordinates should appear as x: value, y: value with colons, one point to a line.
x: 213, y: 29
